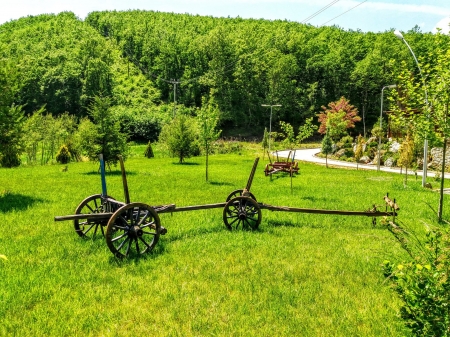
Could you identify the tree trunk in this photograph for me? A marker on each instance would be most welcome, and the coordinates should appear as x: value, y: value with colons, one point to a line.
x: 326, y: 160
x: 207, y: 150
x: 441, y: 191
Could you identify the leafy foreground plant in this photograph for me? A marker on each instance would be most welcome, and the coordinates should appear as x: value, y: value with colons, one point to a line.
x: 423, y: 282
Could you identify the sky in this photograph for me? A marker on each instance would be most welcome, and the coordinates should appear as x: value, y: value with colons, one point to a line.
x: 365, y: 15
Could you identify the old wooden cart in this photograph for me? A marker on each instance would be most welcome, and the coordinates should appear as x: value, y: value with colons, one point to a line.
x: 135, y: 227
x: 288, y: 166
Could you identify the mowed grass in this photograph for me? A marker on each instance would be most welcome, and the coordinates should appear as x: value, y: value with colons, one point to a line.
x: 298, y: 275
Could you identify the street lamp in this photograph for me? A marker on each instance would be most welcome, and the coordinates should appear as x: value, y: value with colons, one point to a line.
x: 425, y: 143
x: 381, y: 121
x: 270, y: 123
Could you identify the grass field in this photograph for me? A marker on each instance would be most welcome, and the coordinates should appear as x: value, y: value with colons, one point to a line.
x: 298, y: 275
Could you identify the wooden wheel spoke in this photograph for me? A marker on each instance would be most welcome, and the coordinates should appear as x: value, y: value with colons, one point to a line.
x: 148, y: 224
x: 144, y: 242
x: 137, y: 246
x: 119, y: 237
x: 87, y: 230
x: 129, y: 245
x: 123, y: 242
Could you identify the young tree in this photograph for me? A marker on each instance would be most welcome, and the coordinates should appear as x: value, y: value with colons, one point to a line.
x: 327, y: 148
x: 288, y: 133
x: 348, y: 115
x: 265, y: 141
x: 207, y: 119
x: 359, y: 149
x: 306, y: 130
x: 180, y: 136
x: 11, y: 118
x: 103, y: 135
x: 11, y: 123
x: 336, y: 126
x: 406, y: 152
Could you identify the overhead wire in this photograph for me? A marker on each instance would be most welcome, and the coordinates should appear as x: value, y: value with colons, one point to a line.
x: 319, y: 11
x: 359, y: 4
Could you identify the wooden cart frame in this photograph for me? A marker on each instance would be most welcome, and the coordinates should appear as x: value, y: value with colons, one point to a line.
x: 135, y: 228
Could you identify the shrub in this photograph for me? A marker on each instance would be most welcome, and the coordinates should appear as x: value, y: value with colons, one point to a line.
x: 423, y: 283
x: 181, y: 137
x: 148, y: 153
x: 347, y: 142
x: 223, y: 147
x: 63, y: 155
x: 10, y: 158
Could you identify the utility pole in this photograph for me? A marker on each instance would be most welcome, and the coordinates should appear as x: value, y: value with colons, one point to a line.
x: 174, y: 82
x: 270, y: 123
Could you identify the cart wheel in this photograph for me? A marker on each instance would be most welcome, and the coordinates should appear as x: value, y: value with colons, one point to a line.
x: 93, y: 204
x: 135, y: 226
x: 238, y: 193
x: 243, y: 211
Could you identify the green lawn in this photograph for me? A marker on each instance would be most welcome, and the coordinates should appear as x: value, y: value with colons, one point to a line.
x: 298, y: 275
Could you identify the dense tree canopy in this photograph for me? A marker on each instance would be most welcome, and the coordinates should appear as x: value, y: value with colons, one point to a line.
x: 145, y: 61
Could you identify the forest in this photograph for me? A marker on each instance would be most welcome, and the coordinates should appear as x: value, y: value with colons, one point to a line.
x: 152, y: 65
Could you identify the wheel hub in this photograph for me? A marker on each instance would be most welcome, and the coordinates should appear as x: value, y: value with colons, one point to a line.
x: 135, y: 231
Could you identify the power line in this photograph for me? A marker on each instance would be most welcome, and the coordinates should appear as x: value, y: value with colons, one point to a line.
x: 320, y: 11
x: 323, y: 24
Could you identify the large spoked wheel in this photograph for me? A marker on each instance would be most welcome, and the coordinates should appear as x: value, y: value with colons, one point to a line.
x: 238, y: 193
x: 133, y: 228
x: 91, y: 205
x: 242, y: 211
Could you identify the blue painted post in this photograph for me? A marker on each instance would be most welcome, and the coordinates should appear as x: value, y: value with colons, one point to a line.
x: 103, y: 175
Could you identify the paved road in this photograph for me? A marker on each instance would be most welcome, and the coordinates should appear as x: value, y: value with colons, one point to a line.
x: 309, y: 156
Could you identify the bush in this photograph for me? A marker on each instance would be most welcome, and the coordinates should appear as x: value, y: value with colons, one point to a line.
x: 149, y: 151
x: 181, y: 137
x: 224, y: 147
x: 346, y: 142
x: 63, y: 155
x: 10, y: 159
x: 423, y: 282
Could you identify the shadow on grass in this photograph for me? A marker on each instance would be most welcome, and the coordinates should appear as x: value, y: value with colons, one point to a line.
x: 314, y: 199
x: 16, y: 202
x: 134, y: 258
x: 109, y: 173
x: 186, y: 164
x: 220, y: 183
x: 284, y: 223
x: 279, y: 175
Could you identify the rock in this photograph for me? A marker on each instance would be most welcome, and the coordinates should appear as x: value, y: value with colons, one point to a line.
x: 340, y: 153
x: 364, y: 160
x: 375, y: 159
x: 395, y: 146
x: 437, y: 157
x: 372, y: 140
x: 389, y: 162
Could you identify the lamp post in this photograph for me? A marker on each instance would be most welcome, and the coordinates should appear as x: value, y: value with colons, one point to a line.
x: 425, y: 143
x: 270, y: 123
x: 381, y: 121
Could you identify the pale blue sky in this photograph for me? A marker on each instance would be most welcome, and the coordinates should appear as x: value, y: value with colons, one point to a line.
x: 369, y: 15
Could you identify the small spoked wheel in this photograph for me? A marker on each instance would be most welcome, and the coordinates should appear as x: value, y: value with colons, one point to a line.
x: 133, y: 229
x: 242, y: 212
x: 95, y: 204
x: 238, y: 193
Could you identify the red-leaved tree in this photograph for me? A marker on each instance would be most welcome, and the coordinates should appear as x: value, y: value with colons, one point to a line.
x: 350, y: 117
